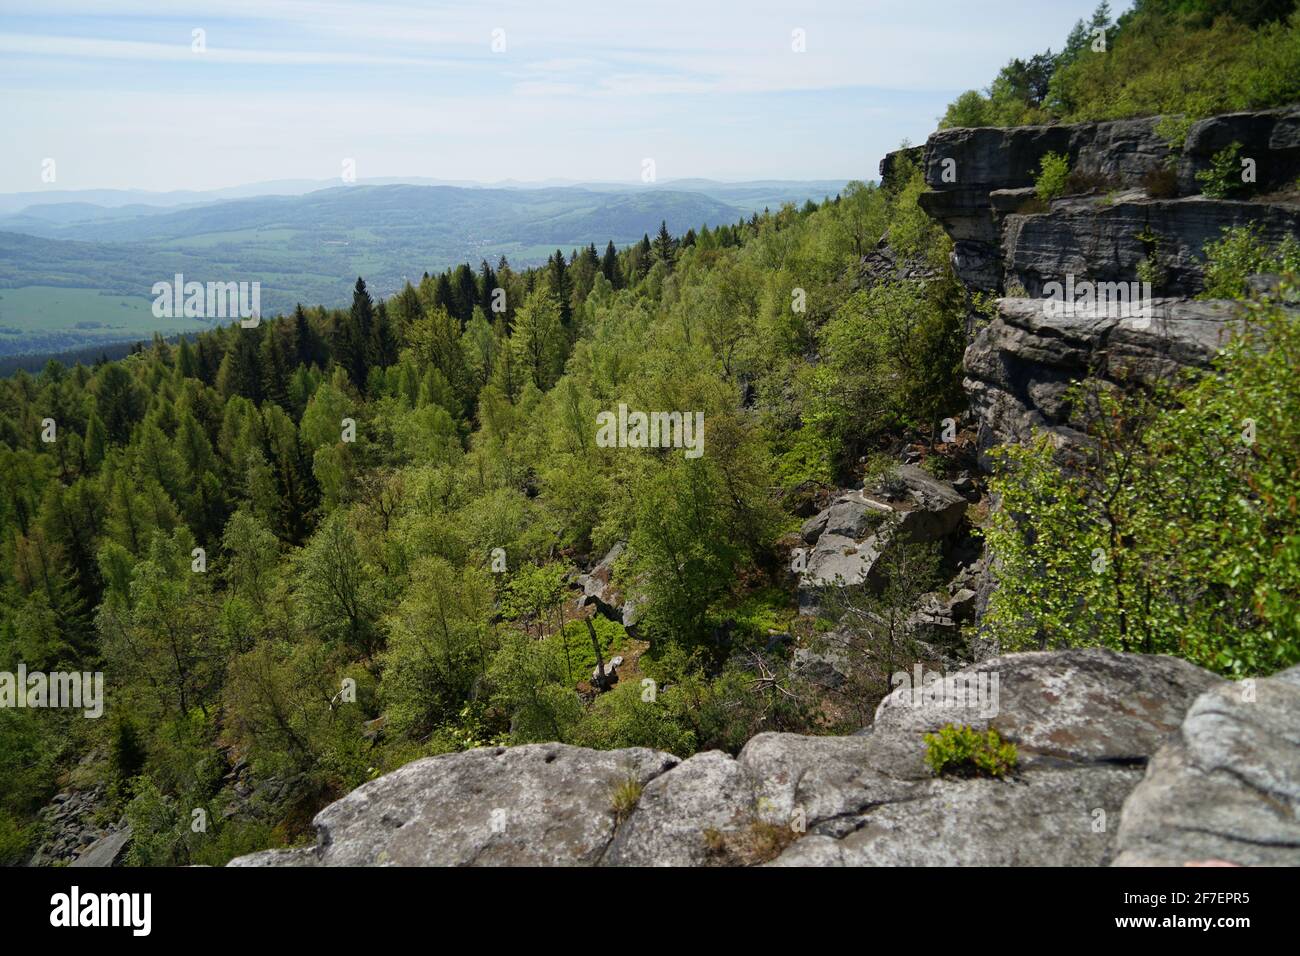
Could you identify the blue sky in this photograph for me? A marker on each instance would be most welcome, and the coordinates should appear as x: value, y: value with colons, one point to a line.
x: 289, y: 89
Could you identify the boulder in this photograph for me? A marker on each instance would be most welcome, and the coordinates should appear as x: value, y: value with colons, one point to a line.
x: 536, y: 805
x: 1227, y: 787
x: 848, y: 537
x: 106, y: 851
x: 1085, y: 723
x: 599, y: 589
x: 678, y: 813
x: 611, y: 670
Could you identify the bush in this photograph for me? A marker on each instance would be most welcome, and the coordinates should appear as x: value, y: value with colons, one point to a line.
x: 962, y: 751
x: 14, y: 839
x: 1241, y: 253
x: 1199, y: 557
x: 1054, y: 172
x: 1223, y: 178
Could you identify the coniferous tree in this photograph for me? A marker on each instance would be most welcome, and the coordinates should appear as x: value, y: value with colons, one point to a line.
x: 352, y: 336
x: 609, y: 266
x: 665, y: 249
x: 561, y: 284
x: 275, y: 371
x: 487, y: 285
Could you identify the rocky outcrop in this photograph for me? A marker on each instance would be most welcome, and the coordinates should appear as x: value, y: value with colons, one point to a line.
x: 538, y: 805
x: 1020, y: 366
x: 1228, y: 787
x: 1085, y: 722
x: 106, y: 851
x: 598, y: 589
x: 1107, y: 241
x: 76, y: 833
x: 846, y: 540
x: 1128, y: 183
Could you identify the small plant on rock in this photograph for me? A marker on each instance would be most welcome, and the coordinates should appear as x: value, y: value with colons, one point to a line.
x: 1223, y: 179
x: 1054, y: 171
x: 626, y: 796
x: 962, y: 751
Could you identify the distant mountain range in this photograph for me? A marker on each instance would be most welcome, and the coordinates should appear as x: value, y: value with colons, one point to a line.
x: 76, y: 267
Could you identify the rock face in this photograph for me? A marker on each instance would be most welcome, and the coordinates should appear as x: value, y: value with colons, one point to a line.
x: 1020, y: 365
x: 1086, y: 723
x: 107, y: 851
x: 981, y: 181
x: 1228, y: 787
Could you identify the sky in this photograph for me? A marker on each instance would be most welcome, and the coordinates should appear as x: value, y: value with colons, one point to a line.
x: 213, y: 94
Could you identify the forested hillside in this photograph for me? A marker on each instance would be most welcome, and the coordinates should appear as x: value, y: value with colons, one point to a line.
x: 1188, y: 57
x: 395, y: 494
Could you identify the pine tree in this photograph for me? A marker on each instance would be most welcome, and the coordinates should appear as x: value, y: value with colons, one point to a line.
x: 186, y: 364
x: 301, y: 350
x: 241, y: 372
x: 92, y: 449
x: 383, y: 340
x: 487, y: 285
x: 466, y: 292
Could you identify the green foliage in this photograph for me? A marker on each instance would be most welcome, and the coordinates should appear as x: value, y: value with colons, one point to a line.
x: 1223, y: 178
x: 1053, y: 171
x: 15, y: 838
x: 962, y: 751
x: 1177, y: 533
x: 267, y: 586
x: 1182, y: 59
x: 1241, y: 253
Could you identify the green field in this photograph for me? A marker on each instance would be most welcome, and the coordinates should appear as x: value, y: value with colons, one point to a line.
x: 49, y: 318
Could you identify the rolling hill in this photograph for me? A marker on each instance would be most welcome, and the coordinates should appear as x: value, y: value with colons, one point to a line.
x: 78, y: 273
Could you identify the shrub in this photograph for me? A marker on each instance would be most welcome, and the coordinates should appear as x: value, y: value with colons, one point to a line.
x: 1054, y: 173
x: 963, y: 751
x: 1080, y: 182
x: 1223, y: 178
x: 14, y: 839
x: 1200, y: 557
x: 1241, y: 253
x: 1150, y: 269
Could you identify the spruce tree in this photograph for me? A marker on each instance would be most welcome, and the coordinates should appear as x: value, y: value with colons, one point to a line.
x: 609, y: 266
x: 665, y: 248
